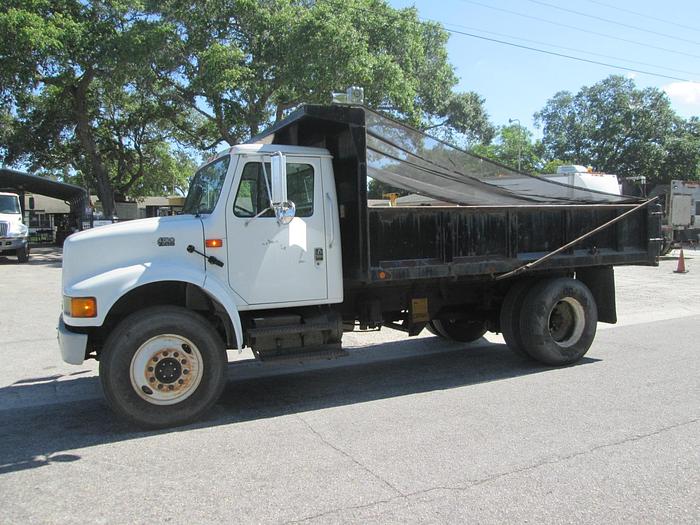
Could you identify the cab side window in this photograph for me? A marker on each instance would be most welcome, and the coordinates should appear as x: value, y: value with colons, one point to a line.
x: 252, y: 197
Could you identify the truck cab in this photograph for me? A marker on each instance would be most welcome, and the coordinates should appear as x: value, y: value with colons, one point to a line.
x: 14, y: 234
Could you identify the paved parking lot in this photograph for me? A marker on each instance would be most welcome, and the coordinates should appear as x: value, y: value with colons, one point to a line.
x: 403, y: 430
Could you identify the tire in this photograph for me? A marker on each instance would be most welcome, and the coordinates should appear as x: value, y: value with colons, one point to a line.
x: 188, y: 375
x: 666, y: 248
x: 432, y: 329
x: 23, y: 255
x: 510, y: 316
x: 463, y: 331
x: 558, y: 321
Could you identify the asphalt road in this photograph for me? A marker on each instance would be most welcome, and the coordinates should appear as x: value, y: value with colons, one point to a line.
x: 404, y: 431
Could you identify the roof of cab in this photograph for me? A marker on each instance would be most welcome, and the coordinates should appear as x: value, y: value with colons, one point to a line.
x: 256, y: 149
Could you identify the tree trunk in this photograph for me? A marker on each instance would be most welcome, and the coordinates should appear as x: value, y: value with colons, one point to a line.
x: 84, y: 131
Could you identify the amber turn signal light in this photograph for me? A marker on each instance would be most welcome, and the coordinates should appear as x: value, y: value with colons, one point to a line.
x: 80, y: 306
x: 214, y: 243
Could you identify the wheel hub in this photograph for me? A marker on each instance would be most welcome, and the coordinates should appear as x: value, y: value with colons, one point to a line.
x: 566, y: 322
x: 166, y: 369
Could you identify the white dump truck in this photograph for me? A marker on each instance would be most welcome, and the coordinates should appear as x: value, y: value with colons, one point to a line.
x: 14, y: 234
x: 277, y: 250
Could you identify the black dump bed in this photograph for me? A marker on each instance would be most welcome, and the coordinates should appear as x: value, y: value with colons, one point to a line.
x: 485, y: 219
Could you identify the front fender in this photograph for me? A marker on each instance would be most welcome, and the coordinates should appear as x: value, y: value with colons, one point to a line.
x: 109, y: 287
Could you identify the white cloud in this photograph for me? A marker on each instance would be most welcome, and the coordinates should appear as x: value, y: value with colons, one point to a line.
x: 687, y: 93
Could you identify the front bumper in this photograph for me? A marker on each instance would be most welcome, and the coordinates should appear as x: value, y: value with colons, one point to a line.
x: 12, y: 243
x: 72, y: 345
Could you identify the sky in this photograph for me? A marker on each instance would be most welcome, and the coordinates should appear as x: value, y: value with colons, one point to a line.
x: 650, y: 37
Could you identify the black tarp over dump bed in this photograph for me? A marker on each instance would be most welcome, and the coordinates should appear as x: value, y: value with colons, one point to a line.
x: 366, y: 144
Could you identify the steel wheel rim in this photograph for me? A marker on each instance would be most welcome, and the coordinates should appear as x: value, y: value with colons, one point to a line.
x: 166, y: 369
x: 566, y: 322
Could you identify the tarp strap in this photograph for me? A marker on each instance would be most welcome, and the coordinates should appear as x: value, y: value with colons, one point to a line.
x: 529, y: 266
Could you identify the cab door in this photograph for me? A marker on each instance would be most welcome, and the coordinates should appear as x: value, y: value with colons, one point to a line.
x: 272, y: 263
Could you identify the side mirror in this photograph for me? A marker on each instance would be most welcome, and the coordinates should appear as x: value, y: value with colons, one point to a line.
x: 285, y: 212
x: 279, y: 178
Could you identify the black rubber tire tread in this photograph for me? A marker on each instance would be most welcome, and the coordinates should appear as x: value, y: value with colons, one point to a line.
x: 23, y: 255
x: 510, y: 315
x: 121, y: 345
x: 433, y: 329
x: 460, y: 331
x: 534, y: 321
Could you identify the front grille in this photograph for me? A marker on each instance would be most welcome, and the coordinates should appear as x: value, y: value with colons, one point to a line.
x: 3, y: 229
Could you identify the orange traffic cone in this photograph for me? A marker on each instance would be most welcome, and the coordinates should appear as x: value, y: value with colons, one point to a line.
x: 681, y: 264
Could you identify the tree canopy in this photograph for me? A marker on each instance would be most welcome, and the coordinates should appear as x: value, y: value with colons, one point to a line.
x: 107, y: 92
x: 618, y: 128
x: 514, y: 147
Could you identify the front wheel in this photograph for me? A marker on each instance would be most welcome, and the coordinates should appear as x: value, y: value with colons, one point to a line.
x: 23, y: 254
x: 558, y: 321
x: 163, y: 366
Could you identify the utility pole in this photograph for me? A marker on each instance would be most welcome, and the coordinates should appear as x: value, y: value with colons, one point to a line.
x: 520, y: 139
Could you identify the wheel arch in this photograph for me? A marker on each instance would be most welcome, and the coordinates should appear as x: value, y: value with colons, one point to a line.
x: 183, y: 293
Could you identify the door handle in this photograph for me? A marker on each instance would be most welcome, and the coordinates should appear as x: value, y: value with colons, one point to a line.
x: 330, y: 208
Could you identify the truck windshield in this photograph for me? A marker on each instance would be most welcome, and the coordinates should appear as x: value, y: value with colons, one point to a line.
x: 205, y: 187
x: 9, y: 204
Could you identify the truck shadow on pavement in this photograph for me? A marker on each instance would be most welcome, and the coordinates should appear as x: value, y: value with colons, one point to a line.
x: 36, y: 436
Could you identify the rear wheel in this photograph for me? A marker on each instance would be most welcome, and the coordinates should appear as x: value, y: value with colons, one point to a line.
x: 510, y: 316
x: 163, y: 366
x: 558, y: 321
x: 464, y: 331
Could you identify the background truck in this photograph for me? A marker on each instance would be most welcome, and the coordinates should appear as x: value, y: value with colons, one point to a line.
x: 681, y: 221
x: 277, y: 250
x: 14, y: 234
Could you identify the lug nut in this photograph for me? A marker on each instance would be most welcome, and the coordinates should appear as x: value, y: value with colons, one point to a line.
x: 180, y: 381
x: 152, y: 379
x: 170, y: 387
x: 160, y: 387
x: 176, y: 354
x: 155, y: 359
x: 185, y: 371
x: 150, y: 369
x: 165, y: 353
x: 183, y: 361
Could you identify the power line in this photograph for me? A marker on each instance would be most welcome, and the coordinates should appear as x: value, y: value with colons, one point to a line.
x: 562, y: 55
x: 610, y: 21
x: 650, y: 17
x: 559, y: 24
x: 571, y: 49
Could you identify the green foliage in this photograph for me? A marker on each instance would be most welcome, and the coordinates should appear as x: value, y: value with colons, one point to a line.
x: 246, y: 63
x: 76, y: 78
x: 618, y: 128
x: 103, y: 91
x: 513, y: 146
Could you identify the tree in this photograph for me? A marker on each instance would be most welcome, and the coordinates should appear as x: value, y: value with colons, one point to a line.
x: 243, y: 64
x: 513, y: 146
x: 74, y: 76
x: 618, y: 128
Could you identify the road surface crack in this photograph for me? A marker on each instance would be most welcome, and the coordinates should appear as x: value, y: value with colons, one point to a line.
x: 477, y: 482
x: 350, y: 457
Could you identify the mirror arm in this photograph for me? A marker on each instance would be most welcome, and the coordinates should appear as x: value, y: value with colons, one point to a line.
x: 258, y: 215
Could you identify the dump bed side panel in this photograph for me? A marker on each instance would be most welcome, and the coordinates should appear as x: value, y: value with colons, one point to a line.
x: 430, y: 242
